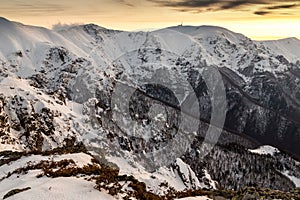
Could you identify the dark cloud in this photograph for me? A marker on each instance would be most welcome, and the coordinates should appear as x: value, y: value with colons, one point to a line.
x: 236, y: 4
x: 215, y: 5
x: 266, y: 10
x: 282, y: 7
x: 262, y: 12
x: 202, y: 4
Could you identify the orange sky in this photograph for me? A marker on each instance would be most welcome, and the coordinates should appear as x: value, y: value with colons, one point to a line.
x: 263, y: 19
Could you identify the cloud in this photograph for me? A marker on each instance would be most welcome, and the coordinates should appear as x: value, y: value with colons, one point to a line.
x: 32, y: 7
x: 125, y: 2
x: 282, y: 7
x: 59, y: 26
x: 215, y: 5
x: 262, y: 12
x: 200, y: 4
x: 266, y: 10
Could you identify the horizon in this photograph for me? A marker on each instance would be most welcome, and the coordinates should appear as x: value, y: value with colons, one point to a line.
x: 258, y: 20
x: 60, y: 26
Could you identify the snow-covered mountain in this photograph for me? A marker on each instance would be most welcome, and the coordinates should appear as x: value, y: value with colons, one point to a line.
x: 288, y: 47
x: 58, y: 90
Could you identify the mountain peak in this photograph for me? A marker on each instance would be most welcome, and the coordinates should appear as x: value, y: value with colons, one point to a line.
x: 290, y: 39
x: 207, y: 31
x: 198, y: 28
x: 195, y: 30
x: 94, y: 26
x: 4, y: 22
x: 2, y: 19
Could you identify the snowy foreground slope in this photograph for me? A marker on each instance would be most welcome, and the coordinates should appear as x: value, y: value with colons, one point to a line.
x: 59, y: 130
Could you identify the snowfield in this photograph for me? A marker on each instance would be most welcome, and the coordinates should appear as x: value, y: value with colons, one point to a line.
x: 46, y: 187
x: 62, y: 188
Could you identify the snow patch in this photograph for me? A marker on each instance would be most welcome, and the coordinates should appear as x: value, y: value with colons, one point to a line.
x: 265, y: 150
x: 294, y: 179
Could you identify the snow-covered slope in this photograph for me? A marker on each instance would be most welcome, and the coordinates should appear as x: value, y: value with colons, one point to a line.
x: 289, y: 48
x: 59, y: 188
x: 48, y: 187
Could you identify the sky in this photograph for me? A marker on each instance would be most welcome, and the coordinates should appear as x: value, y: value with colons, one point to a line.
x: 257, y: 19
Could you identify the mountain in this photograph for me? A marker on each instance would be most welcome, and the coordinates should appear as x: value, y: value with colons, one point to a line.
x: 288, y: 47
x: 117, y: 110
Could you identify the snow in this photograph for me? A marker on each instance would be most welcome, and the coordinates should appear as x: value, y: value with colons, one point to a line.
x: 38, y: 40
x: 208, y: 31
x: 64, y: 188
x: 152, y: 180
x: 173, y: 41
x: 80, y: 159
x: 294, y: 179
x: 209, y: 178
x: 289, y: 48
x: 8, y: 147
x: 79, y: 188
x: 32, y: 42
x: 186, y: 170
x: 265, y: 150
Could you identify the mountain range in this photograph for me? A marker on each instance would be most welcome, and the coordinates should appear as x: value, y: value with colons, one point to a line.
x: 62, y: 121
